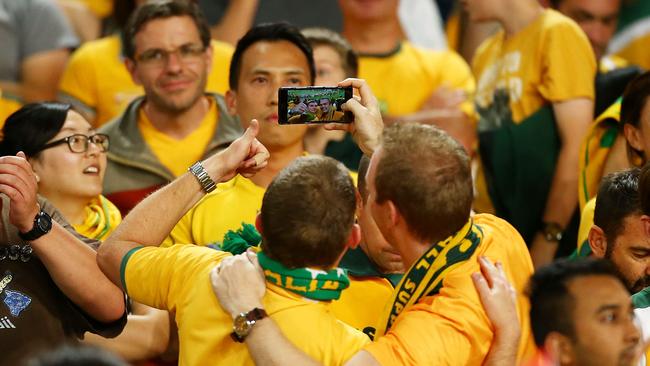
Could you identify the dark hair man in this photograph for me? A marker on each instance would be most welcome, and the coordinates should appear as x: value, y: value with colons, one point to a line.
x: 267, y: 57
x: 299, y: 257
x: 168, y: 52
x: 423, y: 210
x: 581, y: 314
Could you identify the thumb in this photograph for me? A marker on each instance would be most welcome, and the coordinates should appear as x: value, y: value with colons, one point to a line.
x: 252, y: 131
x: 21, y: 155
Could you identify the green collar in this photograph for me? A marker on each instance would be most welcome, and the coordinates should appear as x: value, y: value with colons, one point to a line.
x: 358, y: 264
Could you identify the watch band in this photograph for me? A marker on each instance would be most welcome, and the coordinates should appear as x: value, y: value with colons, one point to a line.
x: 553, y: 232
x: 42, y: 226
x: 207, y: 184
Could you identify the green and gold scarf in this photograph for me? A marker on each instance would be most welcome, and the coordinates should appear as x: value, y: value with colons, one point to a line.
x: 311, y: 283
x: 425, y: 276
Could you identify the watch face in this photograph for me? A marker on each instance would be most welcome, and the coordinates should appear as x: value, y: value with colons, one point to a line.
x: 44, y: 222
x: 242, y: 325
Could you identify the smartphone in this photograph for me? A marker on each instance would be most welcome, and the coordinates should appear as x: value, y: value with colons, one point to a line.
x: 313, y: 104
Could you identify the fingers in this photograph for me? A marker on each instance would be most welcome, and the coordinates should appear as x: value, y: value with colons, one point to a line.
x: 488, y: 269
x: 481, y: 285
x: 338, y: 126
x: 367, y: 97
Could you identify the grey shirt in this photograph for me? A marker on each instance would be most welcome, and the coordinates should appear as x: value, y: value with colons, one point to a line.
x: 28, y: 27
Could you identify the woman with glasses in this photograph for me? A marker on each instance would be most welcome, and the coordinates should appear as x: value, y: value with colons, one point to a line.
x: 69, y: 160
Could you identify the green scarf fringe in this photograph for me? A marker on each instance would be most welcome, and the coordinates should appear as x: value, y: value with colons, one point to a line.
x: 237, y: 242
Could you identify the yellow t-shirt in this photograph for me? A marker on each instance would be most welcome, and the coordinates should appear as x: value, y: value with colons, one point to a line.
x: 237, y: 201
x: 550, y: 60
x: 178, y: 155
x: 636, y: 50
x: 586, y: 222
x: 177, y: 279
x: 7, y: 107
x: 222, y: 210
x: 97, y: 82
x: 362, y: 304
x: 609, y: 63
x: 595, y: 151
x: 403, y: 80
x: 101, y: 8
x: 451, y: 328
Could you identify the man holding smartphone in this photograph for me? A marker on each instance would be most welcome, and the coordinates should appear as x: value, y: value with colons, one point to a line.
x: 268, y: 57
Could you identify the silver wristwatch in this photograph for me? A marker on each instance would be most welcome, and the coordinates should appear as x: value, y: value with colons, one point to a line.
x: 202, y: 176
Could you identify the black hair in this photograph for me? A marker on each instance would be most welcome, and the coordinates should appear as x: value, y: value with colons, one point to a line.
x: 551, y: 303
x: 635, y: 98
x: 31, y: 127
x: 270, y: 32
x: 161, y: 10
x: 618, y: 197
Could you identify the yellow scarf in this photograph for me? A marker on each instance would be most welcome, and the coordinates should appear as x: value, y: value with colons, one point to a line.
x: 102, y: 217
x: 425, y: 276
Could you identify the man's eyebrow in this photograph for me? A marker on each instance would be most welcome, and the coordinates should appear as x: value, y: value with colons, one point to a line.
x: 284, y: 70
x: 607, y: 307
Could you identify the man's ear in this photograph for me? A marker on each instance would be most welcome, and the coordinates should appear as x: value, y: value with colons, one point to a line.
x: 645, y: 220
x: 258, y: 224
x: 231, y: 102
x: 393, y: 213
x: 559, y: 349
x: 597, y: 241
x: 633, y: 136
x: 130, y: 67
x: 355, y: 237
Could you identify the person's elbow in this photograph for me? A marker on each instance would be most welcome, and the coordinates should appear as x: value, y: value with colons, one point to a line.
x: 106, y: 306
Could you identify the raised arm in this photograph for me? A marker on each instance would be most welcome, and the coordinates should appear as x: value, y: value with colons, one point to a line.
x: 159, y: 212
x: 70, y: 262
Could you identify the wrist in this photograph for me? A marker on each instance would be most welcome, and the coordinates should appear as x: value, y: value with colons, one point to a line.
x: 243, y: 308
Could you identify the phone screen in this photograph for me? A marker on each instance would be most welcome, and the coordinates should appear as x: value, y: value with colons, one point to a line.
x: 314, y: 104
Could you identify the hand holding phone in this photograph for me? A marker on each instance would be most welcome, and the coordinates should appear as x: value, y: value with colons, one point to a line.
x: 314, y: 104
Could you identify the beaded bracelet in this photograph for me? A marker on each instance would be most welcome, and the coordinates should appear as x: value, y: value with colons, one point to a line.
x: 16, y: 252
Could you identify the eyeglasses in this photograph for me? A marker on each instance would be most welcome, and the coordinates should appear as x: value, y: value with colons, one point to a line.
x: 79, y: 143
x: 157, y: 57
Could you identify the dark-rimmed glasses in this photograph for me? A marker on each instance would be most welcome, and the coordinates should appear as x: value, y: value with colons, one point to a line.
x: 78, y: 143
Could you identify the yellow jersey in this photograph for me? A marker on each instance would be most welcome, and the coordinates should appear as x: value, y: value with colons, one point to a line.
x: 362, y: 304
x: 586, y: 222
x: 235, y: 202
x: 405, y: 78
x: 518, y: 79
x: 550, y: 60
x: 177, y: 279
x: 451, y: 328
x: 97, y: 83
x: 595, y: 151
x: 7, y: 107
x: 179, y: 155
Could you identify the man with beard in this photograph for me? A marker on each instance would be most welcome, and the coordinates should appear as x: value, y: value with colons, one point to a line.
x: 160, y: 135
x: 618, y: 233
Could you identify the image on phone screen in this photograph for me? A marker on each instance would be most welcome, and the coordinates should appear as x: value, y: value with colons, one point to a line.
x: 315, y: 104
